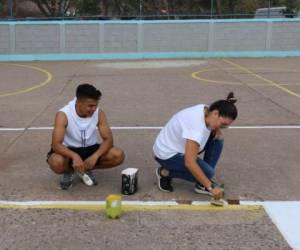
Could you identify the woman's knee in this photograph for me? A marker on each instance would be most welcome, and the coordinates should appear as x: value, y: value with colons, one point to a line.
x: 210, y: 173
x: 208, y: 170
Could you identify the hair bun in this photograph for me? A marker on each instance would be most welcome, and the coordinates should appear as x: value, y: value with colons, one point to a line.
x: 230, y: 98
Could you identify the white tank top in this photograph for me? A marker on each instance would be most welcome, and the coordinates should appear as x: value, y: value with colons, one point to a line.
x: 80, y: 132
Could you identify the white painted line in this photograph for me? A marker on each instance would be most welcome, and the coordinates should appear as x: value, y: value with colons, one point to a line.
x: 267, y: 127
x: 285, y: 215
x: 34, y: 203
x: 150, y: 203
x: 157, y: 127
x: 200, y: 203
x: 124, y: 202
x: 135, y: 203
x: 252, y: 203
x: 12, y: 129
x: 136, y: 128
x: 39, y: 128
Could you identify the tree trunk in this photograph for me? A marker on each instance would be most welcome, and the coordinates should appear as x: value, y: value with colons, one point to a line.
x: 52, y: 7
x: 14, y: 8
x: 219, y: 8
x: 104, y: 7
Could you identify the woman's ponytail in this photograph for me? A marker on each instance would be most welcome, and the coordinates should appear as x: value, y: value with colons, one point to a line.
x: 226, y: 107
x: 230, y: 98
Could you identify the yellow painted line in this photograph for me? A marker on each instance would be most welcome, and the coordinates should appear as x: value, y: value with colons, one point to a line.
x: 196, y: 76
x: 183, y: 207
x: 26, y: 90
x: 93, y: 207
x: 272, y: 83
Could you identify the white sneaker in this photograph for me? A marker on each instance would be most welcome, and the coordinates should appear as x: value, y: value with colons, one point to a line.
x: 87, y: 180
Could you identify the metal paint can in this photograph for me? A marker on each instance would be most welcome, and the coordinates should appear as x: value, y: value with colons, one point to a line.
x: 129, y: 181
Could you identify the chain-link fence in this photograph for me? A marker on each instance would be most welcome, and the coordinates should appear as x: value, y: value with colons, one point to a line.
x: 146, y: 9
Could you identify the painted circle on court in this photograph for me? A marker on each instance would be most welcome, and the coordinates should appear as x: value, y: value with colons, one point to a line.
x: 198, y: 75
x: 33, y: 87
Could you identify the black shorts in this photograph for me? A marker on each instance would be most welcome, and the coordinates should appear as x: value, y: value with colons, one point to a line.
x: 84, y: 152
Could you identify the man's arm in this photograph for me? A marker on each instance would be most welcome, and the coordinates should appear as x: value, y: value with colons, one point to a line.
x: 191, y: 151
x: 106, y: 135
x: 107, y: 141
x: 58, y: 134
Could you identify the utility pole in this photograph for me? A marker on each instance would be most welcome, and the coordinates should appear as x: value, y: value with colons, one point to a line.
x: 211, y: 8
x: 62, y: 8
x: 141, y: 9
x: 10, y: 8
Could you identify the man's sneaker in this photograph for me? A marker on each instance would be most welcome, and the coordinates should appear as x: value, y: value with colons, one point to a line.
x: 66, y: 180
x: 88, y: 178
x: 163, y: 182
x: 200, y: 189
x: 90, y: 174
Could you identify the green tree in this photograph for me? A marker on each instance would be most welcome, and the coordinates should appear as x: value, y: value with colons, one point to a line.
x: 292, y: 6
x: 122, y: 8
x: 87, y: 7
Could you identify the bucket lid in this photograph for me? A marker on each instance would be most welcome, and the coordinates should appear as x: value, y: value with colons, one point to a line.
x: 130, y: 171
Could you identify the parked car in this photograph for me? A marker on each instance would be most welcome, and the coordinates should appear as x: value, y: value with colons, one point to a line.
x: 274, y: 12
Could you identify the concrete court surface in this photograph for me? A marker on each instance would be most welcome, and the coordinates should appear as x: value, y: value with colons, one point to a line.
x: 70, y: 229
x: 257, y: 164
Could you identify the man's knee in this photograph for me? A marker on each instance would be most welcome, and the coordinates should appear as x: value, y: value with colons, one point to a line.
x: 58, y: 164
x: 117, y: 156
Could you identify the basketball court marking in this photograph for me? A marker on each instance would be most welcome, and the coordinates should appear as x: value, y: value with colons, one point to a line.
x: 165, y: 205
x: 49, y: 77
x: 158, y: 128
x: 126, y: 205
x: 198, y: 76
x: 271, y: 83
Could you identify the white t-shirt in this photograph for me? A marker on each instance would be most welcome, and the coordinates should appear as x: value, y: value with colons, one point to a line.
x: 186, y: 124
x: 80, y: 132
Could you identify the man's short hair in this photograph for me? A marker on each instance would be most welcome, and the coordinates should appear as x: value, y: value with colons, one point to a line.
x: 87, y: 90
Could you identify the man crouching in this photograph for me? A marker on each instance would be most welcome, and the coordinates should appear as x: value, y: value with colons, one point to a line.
x: 75, y: 144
